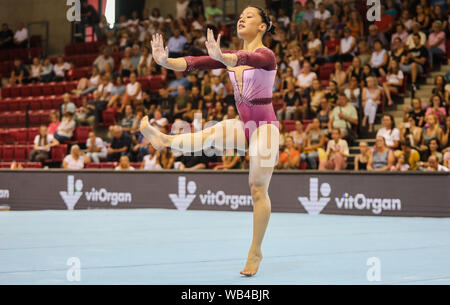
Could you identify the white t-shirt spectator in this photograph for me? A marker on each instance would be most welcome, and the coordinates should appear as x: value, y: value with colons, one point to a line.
x: 295, y: 65
x: 182, y: 9
x: 346, y: 44
x: 389, y: 135
x: 74, y: 164
x: 105, y: 90
x: 161, y: 121
x: 150, y: 163
x: 322, y: 16
x: 61, y: 70
x: 315, y: 44
x: 98, y: 143
x: 66, y: 128
x: 131, y: 168
x: 21, y: 35
x: 395, y: 78
x: 49, y: 140
x: 305, y: 80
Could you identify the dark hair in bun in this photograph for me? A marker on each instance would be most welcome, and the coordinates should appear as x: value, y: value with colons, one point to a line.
x: 265, y: 18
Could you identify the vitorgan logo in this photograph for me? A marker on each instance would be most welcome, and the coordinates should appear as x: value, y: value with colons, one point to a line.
x: 314, y: 205
x: 74, y: 193
x: 182, y: 200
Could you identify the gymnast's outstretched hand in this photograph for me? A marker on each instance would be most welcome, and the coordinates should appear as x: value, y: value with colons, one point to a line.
x: 213, y: 46
x: 160, y: 54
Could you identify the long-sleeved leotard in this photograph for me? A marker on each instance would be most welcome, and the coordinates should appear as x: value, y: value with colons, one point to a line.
x: 254, y: 99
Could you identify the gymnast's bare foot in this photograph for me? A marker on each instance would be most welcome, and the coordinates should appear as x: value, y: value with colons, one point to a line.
x: 252, y: 265
x: 152, y: 134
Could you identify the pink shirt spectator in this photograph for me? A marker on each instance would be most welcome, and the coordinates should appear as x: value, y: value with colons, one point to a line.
x: 433, y: 38
x: 53, y: 127
x: 440, y: 113
x: 403, y: 36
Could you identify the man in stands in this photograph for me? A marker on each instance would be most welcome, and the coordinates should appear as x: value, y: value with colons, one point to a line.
x: 120, y: 144
x: 6, y: 37
x: 19, y: 74
x: 102, y: 60
x: 414, y: 61
x: 21, y: 36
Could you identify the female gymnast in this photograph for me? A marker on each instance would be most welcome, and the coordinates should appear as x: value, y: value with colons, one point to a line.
x: 252, y: 71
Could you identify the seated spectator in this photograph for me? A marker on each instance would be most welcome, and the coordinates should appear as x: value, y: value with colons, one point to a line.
x: 447, y: 159
x: 445, y: 139
x: 105, y: 59
x: 21, y: 36
x: 192, y: 162
x: 196, y: 104
x: 135, y: 57
x: 386, y: 23
x: 283, y: 134
x: 390, y: 134
x: 382, y: 158
x: 152, y: 160
x: 6, y: 37
x: 430, y: 132
x: 67, y: 105
x: 436, y: 42
x: 165, y: 103
x: 324, y: 115
x: 433, y: 150
x: 348, y: 46
x: 374, y: 35
x: 76, y: 159
x: 181, y: 80
x: 313, y: 44
x: 128, y: 119
x: 133, y: 93
x: 60, y: 69
x: 305, y: 78
x: 66, y: 128
x: 290, y: 157
x: 183, y: 103
x: 96, y: 148
x: 400, y: 33
x: 412, y: 156
x: 216, y: 113
x: 125, y: 64
x: 337, y: 152
x: 355, y: 70
x: 88, y: 85
x: 353, y: 92
x: 231, y: 113
x: 417, y: 112
x: 218, y: 89
x: 400, y: 164
x: 422, y: 18
x: 343, y: 116
x: 363, y: 157
x: 176, y: 44
x: 411, y: 132
x: 434, y: 166
x: 85, y: 115
x: 398, y: 50
x: 124, y: 164
x: 167, y: 159
x: 291, y: 103
x: 338, y: 75
x: 47, y: 74
x: 364, y: 53
x: 413, y: 62
x: 117, y: 91
x: 43, y: 142
x: 36, y: 70
x: 120, y: 144
x: 54, y: 123
x: 19, y: 74
x: 145, y: 66
x: 371, y: 98
x: 394, y: 81
x: 315, y: 139
x: 158, y: 121
x: 379, y: 59
x: 439, y: 87
x: 104, y: 89
x: 332, y: 45
x: 315, y: 96
x: 355, y: 25
x: 331, y: 93
x: 230, y: 160
x: 298, y: 136
x: 437, y: 108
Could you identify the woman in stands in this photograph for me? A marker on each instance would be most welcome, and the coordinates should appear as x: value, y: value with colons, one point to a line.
x: 87, y: 85
x: 43, y: 142
x: 252, y: 71
x: 394, y: 81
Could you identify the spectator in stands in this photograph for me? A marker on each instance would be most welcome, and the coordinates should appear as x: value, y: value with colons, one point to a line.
x: 337, y: 152
x: 212, y: 10
x: 382, y: 158
x: 176, y: 44
x: 89, y: 17
x: 379, y: 59
x: 104, y: 89
x: 343, y: 116
x: 338, y: 75
x: 21, y: 36
x: 125, y: 64
x: 216, y: 113
x: 192, y: 162
x: 167, y: 159
x: 96, y: 148
x: 43, y: 142
x: 151, y: 161
x: 363, y: 157
x: 389, y: 132
x: 85, y: 115
x: 120, y: 144
x: 145, y: 65
x: 353, y: 92
x: 315, y: 139
x: 371, y: 98
x: 124, y: 164
x: 67, y: 105
x: 218, y: 89
x: 102, y: 60
x: 315, y: 96
x: 60, y: 69
x: 54, y: 123
x: 439, y: 87
x: 399, y: 163
x: 412, y: 156
x: 422, y: 18
x: 88, y: 85
x: 355, y: 69
x: 447, y: 160
x: 76, y: 159
x: 348, y: 46
x: 433, y: 150
x: 165, y: 103
x: 436, y: 42
x: 6, y: 37
x: 364, y: 53
x: 230, y: 160
x: 158, y: 121
x: 36, y: 69
x: 386, y: 23
x: 133, y: 93
x: 47, y: 74
x: 445, y: 139
x: 431, y: 131
x: 394, y: 81
x: 436, y: 107
x: 400, y: 33
x: 66, y: 128
x: 411, y: 132
x: 355, y: 25
x: 305, y: 78
x: 415, y: 60
x: 324, y: 114
x: 298, y: 135
x: 183, y: 103
x: 374, y: 35
x: 417, y: 112
x: 19, y: 73
x: 332, y: 45
x: 291, y: 103
x: 117, y: 92
x: 434, y: 166
x: 128, y: 119
x: 181, y: 80
x: 290, y: 157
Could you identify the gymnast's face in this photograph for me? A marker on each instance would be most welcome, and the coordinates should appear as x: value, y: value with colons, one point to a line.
x: 250, y: 24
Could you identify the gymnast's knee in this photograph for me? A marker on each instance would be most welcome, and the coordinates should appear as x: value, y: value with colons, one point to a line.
x: 257, y: 190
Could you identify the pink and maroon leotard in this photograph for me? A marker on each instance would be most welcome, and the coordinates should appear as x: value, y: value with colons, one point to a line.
x: 254, y: 103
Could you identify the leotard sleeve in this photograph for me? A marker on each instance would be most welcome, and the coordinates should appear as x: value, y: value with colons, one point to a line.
x: 203, y: 63
x: 262, y: 58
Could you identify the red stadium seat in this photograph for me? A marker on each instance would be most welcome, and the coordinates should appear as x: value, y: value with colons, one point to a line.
x: 20, y: 153
x: 13, y: 119
x: 8, y: 153
x: 29, y: 149
x: 109, y: 116
x: 156, y: 83
x: 1, y: 151
x: 3, y: 106
x: 46, y: 103
x: 35, y: 118
x: 3, y: 119
x: 59, y: 88
x: 59, y: 152
x: 48, y: 89
x: 37, y: 90
x: 14, y: 104
x: 15, y: 91
x: 108, y: 165
x: 6, y: 92
x: 25, y: 90
x: 20, y: 135
x: 289, y: 125
x: 5, y: 164
x: 92, y: 165
x: 35, y: 104
x: 136, y: 165
x: 32, y: 165
x: 81, y: 133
